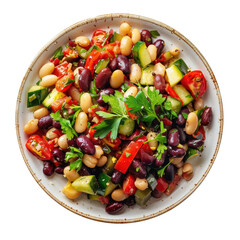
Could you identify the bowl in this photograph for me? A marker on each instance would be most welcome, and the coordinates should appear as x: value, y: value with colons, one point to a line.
x: 202, y: 165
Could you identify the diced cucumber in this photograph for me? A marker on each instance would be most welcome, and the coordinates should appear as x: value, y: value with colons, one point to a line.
x: 152, y: 182
x: 101, y: 65
x: 93, y: 197
x: 190, y: 153
x: 174, y: 75
x: 36, y: 95
x: 127, y: 127
x: 83, y: 53
x: 183, y: 93
x: 109, y: 166
x: 86, y: 184
x: 116, y: 37
x: 182, y: 66
x: 147, y: 77
x: 140, y: 54
x: 106, y: 184
x: 142, y: 197
x: 176, y: 104
x: 52, y: 96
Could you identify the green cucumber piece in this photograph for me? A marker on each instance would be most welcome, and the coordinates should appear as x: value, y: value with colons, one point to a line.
x: 152, y: 182
x: 142, y: 197
x: 191, y: 152
x: 183, y: 93
x: 109, y: 166
x: 140, y: 54
x: 182, y: 66
x: 147, y: 77
x: 116, y: 37
x: 86, y: 184
x: 93, y: 197
x: 36, y: 95
x: 83, y: 53
x: 101, y: 65
x: 127, y: 127
x: 176, y: 104
x: 52, y: 96
x: 174, y: 75
x: 105, y: 183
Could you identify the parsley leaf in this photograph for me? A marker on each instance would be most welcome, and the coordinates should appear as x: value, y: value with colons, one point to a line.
x: 154, y: 33
x: 58, y: 54
x: 185, y: 115
x: 128, y: 154
x: 74, y: 153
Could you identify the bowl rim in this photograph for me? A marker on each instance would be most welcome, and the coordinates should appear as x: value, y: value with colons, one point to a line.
x: 135, y: 17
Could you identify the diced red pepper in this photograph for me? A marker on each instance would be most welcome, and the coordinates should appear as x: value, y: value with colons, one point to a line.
x: 113, y: 143
x: 166, y: 121
x: 172, y: 93
x: 125, y: 161
x: 129, y: 187
x: 61, y: 69
x: 65, y: 82
x: 68, y: 52
x: 57, y: 105
x: 173, y: 184
x: 92, y: 60
x: 104, y: 200
x: 200, y: 131
x: 162, y: 185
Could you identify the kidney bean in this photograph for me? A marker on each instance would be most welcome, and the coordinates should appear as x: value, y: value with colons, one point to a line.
x: 123, y: 64
x: 103, y: 78
x: 84, y: 171
x: 137, y: 169
x: 72, y: 142
x: 45, y: 122
x: 180, y: 120
x: 185, y: 110
x: 84, y: 80
x: 117, y: 177
x: 114, y: 207
x: 130, y: 201
x: 56, y: 124
x: 156, y: 194
x: 81, y: 62
x: 58, y: 155
x: 113, y: 65
x: 48, y: 168
x: 207, y: 116
x: 160, y: 162
x: 169, y: 173
x: 146, y: 37
x: 173, y: 137
x: 146, y: 158
x: 195, y: 143
x: 85, y: 144
x: 59, y: 169
x: 182, y: 135
x: 176, y: 152
x: 159, y: 83
x: 107, y: 91
x: 159, y: 44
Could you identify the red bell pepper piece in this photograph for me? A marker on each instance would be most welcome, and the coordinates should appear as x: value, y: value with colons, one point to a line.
x: 166, y: 121
x: 57, y: 105
x: 104, y: 200
x: 162, y: 185
x: 92, y: 60
x: 61, y: 69
x: 38, y: 147
x: 129, y: 187
x: 113, y: 143
x: 129, y: 154
x: 70, y: 53
x: 65, y: 82
x: 173, y: 184
x: 172, y: 93
x: 200, y: 131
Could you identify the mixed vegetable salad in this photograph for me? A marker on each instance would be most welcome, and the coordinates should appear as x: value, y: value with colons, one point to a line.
x: 119, y: 116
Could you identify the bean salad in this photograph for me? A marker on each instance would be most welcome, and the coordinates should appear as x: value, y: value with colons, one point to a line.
x: 119, y: 116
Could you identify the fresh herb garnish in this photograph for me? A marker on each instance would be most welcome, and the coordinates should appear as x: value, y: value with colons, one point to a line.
x: 128, y: 154
x: 185, y: 115
x: 58, y: 54
x: 74, y: 153
x: 93, y: 90
x: 160, y: 172
x: 137, y: 169
x: 154, y: 33
x: 38, y: 82
x: 106, y: 149
x: 106, y: 38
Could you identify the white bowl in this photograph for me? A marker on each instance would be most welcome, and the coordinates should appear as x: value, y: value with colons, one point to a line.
x: 95, y: 210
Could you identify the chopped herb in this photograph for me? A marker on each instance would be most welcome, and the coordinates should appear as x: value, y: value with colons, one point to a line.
x: 69, y: 81
x: 38, y: 82
x: 93, y: 90
x: 107, y: 35
x: 185, y: 115
x: 161, y: 170
x: 106, y: 149
x: 128, y: 154
x: 169, y: 187
x: 189, y: 96
x: 174, y: 130
x: 88, y: 125
x: 125, y: 86
x: 137, y: 169
x: 149, y: 39
x: 58, y: 54
x: 154, y: 33
x: 74, y: 153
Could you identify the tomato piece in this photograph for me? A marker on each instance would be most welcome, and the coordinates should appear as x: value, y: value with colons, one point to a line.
x: 38, y: 147
x: 57, y: 105
x: 129, y: 187
x: 68, y: 52
x: 173, y: 184
x: 113, y: 143
x: 65, y: 82
x: 200, y: 131
x: 98, y: 37
x: 61, y: 69
x: 173, y: 94
x: 195, y: 82
x: 104, y: 200
x: 162, y: 185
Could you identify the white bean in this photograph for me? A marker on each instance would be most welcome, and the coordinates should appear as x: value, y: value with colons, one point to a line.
x: 81, y: 122
x: 126, y: 46
x: 46, y: 69
x: 48, y: 81
x: 85, y: 102
x: 31, y: 126
x: 41, y: 112
x: 135, y: 73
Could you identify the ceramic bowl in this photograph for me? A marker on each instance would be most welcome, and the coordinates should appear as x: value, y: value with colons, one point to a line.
x: 95, y: 210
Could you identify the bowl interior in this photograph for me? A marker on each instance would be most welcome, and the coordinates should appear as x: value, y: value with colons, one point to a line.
x: 202, y: 164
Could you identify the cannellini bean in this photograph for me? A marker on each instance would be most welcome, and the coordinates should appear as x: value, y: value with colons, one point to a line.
x: 132, y: 91
x: 86, y: 102
x: 118, y: 195
x: 51, y: 134
x: 136, y: 35
x: 82, y: 41
x: 125, y: 29
x: 48, y: 81
x: 175, y: 51
x: 81, y: 122
x: 62, y: 142
x: 41, y: 112
x: 126, y: 45
x: 98, y: 151
x: 152, y: 50
x: 46, y: 69
x: 74, y: 93
x: 159, y: 69
x: 191, y: 123
x: 187, y: 171
x: 117, y: 79
x: 31, y: 126
x: 135, y: 73
x: 141, y: 183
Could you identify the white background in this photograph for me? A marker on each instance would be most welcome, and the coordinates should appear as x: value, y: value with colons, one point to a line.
x: 27, y: 212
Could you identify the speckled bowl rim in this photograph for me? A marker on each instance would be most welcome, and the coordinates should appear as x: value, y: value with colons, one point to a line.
x: 136, y: 17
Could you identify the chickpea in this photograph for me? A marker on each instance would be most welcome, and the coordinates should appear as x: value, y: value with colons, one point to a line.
x: 86, y: 102
x: 126, y: 46
x: 51, y: 134
x: 176, y: 160
x: 82, y: 41
x: 89, y: 160
x: 175, y: 51
x: 187, y: 171
x: 135, y: 73
x: 116, y: 79
x: 98, y: 151
x: 31, y: 126
x: 136, y: 35
x: 118, y: 195
x: 159, y: 69
x: 191, y: 123
x: 198, y: 104
x: 46, y: 69
x: 152, y: 144
x: 41, y: 112
x: 125, y: 29
x: 141, y: 184
x: 62, y: 142
x: 152, y: 50
x: 81, y: 122
x: 179, y: 171
x: 70, y: 192
x: 71, y: 175
x: 48, y: 80
x: 132, y: 91
x: 102, y: 161
x: 74, y: 93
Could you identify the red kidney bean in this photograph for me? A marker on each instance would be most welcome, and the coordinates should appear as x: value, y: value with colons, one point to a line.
x: 56, y: 124
x: 156, y: 194
x: 59, y: 169
x: 117, y: 177
x: 48, y: 168
x: 146, y: 158
x: 84, y: 171
x: 159, y: 83
x: 85, y: 144
x: 81, y: 62
x: 113, y: 65
x: 72, y: 142
x: 180, y: 120
x: 137, y: 169
x: 85, y: 78
x: 146, y: 37
x: 114, y: 207
x: 160, y: 162
x: 182, y: 135
x: 173, y: 137
x: 169, y: 173
x: 195, y: 143
x: 103, y: 78
x: 45, y: 122
x: 107, y: 91
x: 206, y: 116
x: 123, y: 64
x: 130, y: 201
x: 159, y: 44
x: 58, y: 155
x: 185, y: 110
x: 176, y: 152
